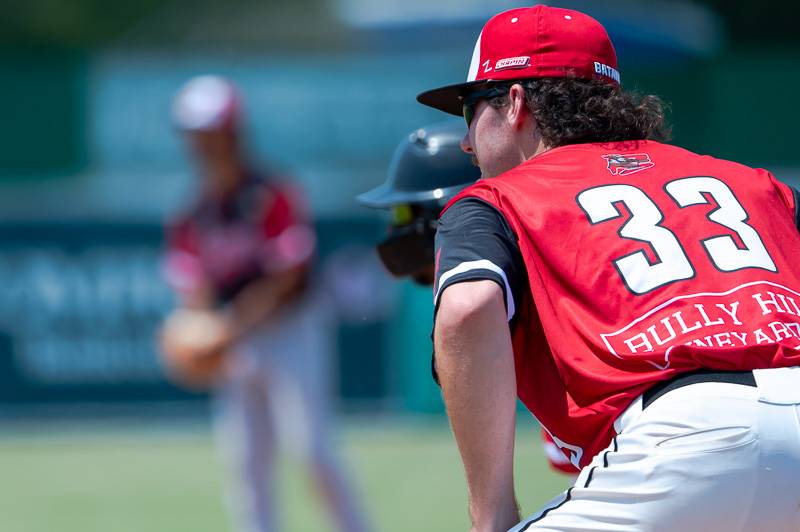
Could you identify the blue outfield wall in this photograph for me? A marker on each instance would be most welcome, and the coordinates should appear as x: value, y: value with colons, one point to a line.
x: 82, y: 301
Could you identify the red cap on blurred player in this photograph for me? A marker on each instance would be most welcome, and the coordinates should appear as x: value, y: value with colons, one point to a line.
x: 532, y: 42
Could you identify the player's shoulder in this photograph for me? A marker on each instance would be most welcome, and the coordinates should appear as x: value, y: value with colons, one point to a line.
x: 592, y: 156
x: 622, y: 158
x: 278, y: 186
x: 703, y: 158
x: 734, y: 173
x: 478, y: 194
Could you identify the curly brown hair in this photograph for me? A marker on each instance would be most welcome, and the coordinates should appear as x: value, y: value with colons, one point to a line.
x: 573, y: 111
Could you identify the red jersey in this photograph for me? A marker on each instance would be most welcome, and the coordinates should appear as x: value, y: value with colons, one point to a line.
x: 258, y: 229
x: 641, y: 261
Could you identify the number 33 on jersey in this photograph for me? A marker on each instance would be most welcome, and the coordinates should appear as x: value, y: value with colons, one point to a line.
x: 641, y: 260
x: 740, y: 247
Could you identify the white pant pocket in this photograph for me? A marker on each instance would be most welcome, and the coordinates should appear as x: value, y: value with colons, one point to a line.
x: 707, y: 440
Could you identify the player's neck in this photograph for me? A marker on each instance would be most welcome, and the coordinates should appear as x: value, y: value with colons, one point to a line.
x: 531, y: 144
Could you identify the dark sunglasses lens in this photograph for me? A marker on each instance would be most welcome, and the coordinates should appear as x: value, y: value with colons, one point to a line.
x: 468, y: 110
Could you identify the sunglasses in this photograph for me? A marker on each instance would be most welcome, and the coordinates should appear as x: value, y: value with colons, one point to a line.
x: 472, y: 99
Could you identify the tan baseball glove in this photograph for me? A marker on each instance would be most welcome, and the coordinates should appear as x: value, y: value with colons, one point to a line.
x: 194, y: 348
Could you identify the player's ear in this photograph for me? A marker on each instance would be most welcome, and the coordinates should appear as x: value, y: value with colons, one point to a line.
x: 518, y: 111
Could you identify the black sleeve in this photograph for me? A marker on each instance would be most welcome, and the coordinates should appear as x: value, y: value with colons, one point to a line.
x: 474, y: 241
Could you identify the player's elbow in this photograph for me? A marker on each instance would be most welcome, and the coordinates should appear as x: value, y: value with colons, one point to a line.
x: 469, y: 304
x: 471, y: 332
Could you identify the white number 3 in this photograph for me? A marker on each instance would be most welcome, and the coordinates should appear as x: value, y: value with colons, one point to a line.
x: 641, y: 275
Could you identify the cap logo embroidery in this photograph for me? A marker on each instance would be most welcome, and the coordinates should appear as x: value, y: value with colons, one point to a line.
x: 628, y: 164
x: 486, y: 67
x: 512, y: 62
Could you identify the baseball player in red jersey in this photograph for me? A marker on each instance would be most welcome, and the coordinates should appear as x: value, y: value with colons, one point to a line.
x: 643, y: 301
x: 243, y: 252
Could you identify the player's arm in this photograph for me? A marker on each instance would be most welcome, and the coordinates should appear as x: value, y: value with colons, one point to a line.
x: 477, y: 277
x: 286, y: 249
x: 475, y: 364
x: 183, y: 270
x: 257, y: 303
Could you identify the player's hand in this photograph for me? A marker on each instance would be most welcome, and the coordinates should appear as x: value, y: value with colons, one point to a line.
x: 195, y: 346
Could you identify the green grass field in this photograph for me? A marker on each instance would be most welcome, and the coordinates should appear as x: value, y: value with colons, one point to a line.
x: 135, y: 478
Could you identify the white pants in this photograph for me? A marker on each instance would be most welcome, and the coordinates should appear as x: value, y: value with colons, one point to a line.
x: 707, y: 457
x: 277, y: 398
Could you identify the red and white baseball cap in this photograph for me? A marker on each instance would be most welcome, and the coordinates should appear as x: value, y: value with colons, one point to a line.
x: 532, y: 42
x: 206, y: 103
